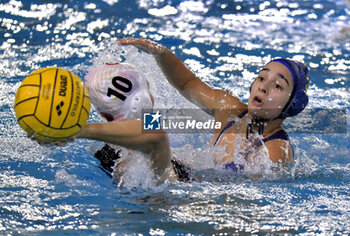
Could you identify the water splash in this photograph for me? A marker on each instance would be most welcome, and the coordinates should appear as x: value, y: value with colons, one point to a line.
x: 226, y: 52
x: 137, y: 172
x: 198, y: 159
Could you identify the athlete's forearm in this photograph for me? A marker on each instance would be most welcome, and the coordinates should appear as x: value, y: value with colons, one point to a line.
x: 124, y: 133
x: 174, y: 69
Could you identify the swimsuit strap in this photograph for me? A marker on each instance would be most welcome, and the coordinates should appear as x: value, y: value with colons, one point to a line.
x: 229, y: 125
x: 281, y: 134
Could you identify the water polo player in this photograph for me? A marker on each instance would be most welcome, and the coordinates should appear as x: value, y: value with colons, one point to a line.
x: 278, y: 91
x: 120, y: 93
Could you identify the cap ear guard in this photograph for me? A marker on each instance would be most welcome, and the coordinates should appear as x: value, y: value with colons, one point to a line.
x: 299, y: 98
x: 297, y: 104
x: 134, y: 105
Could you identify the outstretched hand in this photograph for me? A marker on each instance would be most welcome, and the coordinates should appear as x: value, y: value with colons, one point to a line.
x: 59, y: 143
x: 144, y: 45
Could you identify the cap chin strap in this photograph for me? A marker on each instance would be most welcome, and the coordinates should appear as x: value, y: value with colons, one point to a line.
x: 260, y: 122
x: 283, y: 114
x: 255, y: 121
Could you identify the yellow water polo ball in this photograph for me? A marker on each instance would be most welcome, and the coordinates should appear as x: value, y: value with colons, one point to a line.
x: 52, y: 104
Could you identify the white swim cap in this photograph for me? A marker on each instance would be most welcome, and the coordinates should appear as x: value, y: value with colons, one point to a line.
x: 118, y: 91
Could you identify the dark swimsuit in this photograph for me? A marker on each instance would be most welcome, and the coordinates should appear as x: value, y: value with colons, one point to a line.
x: 108, y: 155
x: 281, y: 134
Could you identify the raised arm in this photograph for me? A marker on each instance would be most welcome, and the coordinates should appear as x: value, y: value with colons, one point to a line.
x: 183, y: 79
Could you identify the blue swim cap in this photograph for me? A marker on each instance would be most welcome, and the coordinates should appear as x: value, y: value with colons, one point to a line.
x: 298, y: 99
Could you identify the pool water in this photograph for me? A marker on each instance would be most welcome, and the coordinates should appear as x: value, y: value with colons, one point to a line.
x: 55, y: 190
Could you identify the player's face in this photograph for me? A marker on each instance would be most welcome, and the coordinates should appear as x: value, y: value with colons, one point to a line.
x: 270, y: 91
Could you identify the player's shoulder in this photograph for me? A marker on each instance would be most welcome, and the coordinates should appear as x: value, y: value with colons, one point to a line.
x: 228, y: 106
x: 280, y: 150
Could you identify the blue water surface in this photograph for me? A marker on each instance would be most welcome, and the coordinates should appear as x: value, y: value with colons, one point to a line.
x: 56, y: 190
